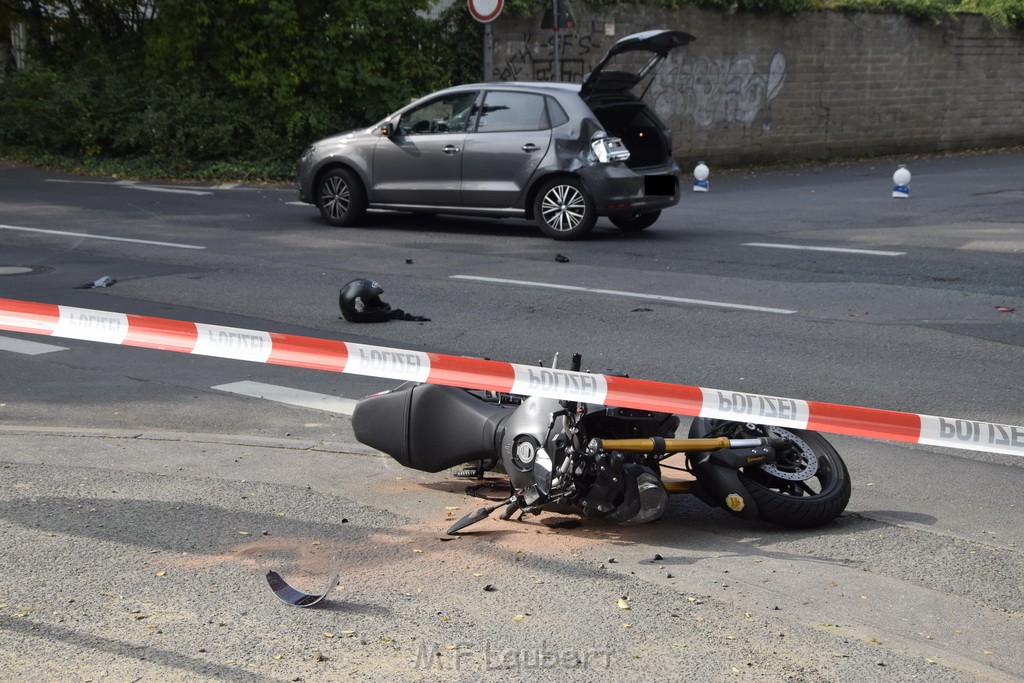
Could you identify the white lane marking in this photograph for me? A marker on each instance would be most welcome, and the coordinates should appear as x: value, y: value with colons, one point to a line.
x: 292, y: 397
x: 634, y: 295
x: 169, y: 190
x: 29, y: 348
x: 298, y: 204
x: 101, y: 237
x: 135, y: 185
x: 117, y: 183
x: 840, y: 250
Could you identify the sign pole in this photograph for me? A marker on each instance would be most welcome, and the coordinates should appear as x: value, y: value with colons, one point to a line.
x: 554, y: 13
x: 488, y: 53
x: 486, y: 11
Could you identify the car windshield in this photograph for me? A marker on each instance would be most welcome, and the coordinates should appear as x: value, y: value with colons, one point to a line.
x: 630, y: 61
x: 624, y: 71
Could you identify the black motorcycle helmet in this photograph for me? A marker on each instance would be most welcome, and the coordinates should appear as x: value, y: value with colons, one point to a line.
x: 360, y: 302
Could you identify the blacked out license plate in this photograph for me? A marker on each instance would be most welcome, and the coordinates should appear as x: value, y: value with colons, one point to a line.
x: 659, y: 185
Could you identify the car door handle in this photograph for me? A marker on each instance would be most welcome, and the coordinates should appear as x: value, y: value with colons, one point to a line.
x: 450, y: 149
x: 530, y: 147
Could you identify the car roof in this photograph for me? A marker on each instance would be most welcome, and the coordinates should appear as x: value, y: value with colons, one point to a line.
x: 533, y: 86
x: 538, y: 87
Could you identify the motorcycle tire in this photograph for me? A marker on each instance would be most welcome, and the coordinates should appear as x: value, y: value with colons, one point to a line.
x: 782, y: 498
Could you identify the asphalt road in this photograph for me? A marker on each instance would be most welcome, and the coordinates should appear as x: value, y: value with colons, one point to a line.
x: 143, y: 499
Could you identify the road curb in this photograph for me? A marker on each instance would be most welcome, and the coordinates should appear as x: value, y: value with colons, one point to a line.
x: 339, y: 447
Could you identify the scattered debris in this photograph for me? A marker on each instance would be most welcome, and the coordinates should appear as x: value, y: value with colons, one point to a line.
x: 561, y: 258
x: 562, y: 523
x: 297, y: 598
x: 399, y: 314
x: 642, y: 310
x: 490, y: 588
x: 106, y: 281
x: 1004, y: 309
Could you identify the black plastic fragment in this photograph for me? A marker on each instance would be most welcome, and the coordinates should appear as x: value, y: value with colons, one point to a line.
x: 295, y: 597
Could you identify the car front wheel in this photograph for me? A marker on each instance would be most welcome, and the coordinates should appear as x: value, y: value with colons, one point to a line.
x: 340, y: 197
x: 564, y: 210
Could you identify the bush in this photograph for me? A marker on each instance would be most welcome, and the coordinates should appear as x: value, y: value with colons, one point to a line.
x: 202, y: 83
x: 1005, y: 13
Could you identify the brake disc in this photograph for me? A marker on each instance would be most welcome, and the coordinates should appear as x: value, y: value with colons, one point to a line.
x: 794, y: 463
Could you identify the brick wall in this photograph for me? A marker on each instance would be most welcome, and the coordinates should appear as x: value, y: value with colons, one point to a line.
x: 757, y: 88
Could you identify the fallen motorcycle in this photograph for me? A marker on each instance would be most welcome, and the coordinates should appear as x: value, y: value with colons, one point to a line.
x: 604, y: 461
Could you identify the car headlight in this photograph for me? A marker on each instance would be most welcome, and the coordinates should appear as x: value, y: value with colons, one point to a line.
x: 609, y: 149
x: 308, y: 152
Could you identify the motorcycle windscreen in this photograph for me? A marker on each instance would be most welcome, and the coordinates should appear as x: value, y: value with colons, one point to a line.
x: 428, y: 427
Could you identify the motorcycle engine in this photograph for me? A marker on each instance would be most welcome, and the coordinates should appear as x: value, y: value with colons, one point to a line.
x: 523, y: 435
x: 533, y: 452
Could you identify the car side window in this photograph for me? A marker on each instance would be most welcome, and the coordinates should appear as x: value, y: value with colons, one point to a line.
x: 447, y: 114
x: 510, y: 111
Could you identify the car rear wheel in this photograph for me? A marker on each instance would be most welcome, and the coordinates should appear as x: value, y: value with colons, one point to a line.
x: 564, y: 210
x: 340, y: 197
x: 635, y: 223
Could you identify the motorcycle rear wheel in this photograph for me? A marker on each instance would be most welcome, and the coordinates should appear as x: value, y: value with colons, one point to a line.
x: 785, y: 493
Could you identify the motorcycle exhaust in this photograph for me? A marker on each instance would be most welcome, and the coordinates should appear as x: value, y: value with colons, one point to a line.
x: 719, y: 484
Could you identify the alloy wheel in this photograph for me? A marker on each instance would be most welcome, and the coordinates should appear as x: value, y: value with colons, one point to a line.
x: 335, y: 197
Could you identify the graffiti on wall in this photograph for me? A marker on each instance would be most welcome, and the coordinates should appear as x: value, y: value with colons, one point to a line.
x: 710, y: 91
x: 717, y: 91
x: 533, y: 61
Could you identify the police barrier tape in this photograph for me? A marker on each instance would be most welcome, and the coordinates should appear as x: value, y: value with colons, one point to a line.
x: 471, y: 373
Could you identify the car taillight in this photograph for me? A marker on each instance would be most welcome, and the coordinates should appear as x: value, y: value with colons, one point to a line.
x: 609, y: 149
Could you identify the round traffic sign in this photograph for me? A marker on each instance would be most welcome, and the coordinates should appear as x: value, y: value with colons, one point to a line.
x: 485, y: 11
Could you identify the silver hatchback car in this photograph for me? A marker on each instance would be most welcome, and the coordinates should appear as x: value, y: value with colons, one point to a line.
x: 560, y: 154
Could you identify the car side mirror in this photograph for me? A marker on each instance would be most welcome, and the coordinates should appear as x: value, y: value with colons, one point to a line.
x: 387, y: 129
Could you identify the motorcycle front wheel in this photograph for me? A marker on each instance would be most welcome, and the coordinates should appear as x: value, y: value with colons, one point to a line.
x: 808, y: 484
